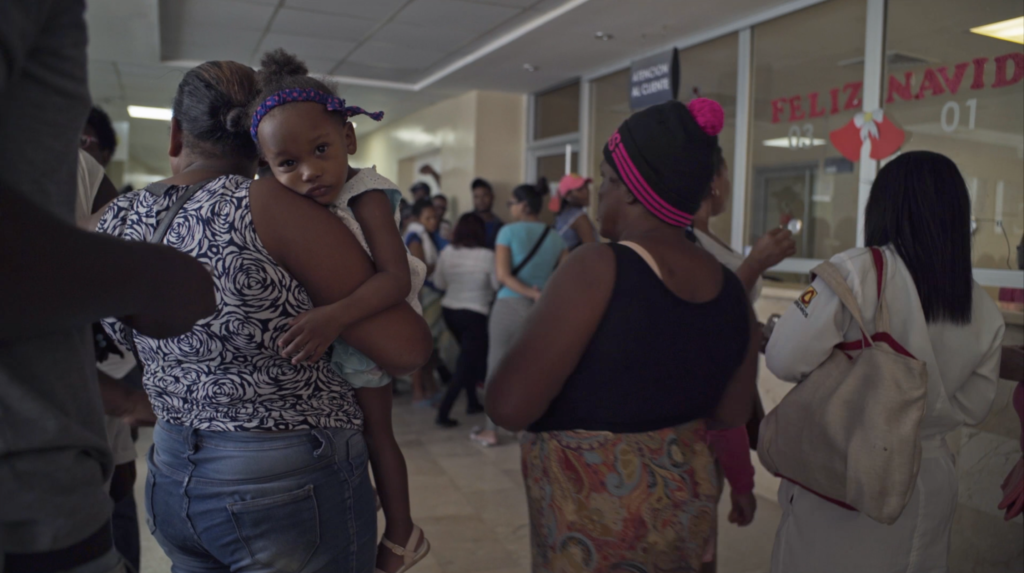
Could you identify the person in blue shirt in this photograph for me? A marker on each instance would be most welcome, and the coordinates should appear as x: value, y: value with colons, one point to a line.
x: 526, y: 254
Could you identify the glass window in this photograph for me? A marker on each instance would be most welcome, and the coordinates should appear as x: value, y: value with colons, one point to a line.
x: 962, y: 94
x: 609, y: 107
x: 709, y: 70
x: 808, y: 74
x: 557, y: 112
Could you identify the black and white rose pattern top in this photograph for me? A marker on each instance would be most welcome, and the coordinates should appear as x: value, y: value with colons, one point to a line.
x: 226, y: 374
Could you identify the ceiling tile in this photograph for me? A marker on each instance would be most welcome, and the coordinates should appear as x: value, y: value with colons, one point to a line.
x: 322, y: 66
x: 221, y: 14
x: 317, y: 25
x: 375, y: 9
x: 412, y: 36
x: 390, y: 55
x: 306, y: 46
x: 455, y: 14
x: 512, y: 3
x: 201, y: 43
x: 103, y: 82
x: 396, y: 74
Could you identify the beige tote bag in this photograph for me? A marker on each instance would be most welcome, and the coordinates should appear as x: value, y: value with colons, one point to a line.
x: 850, y: 431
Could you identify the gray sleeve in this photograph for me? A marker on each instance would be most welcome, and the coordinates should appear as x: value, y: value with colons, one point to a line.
x: 21, y: 24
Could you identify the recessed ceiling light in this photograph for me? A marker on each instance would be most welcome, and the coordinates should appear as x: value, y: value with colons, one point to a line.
x: 142, y: 112
x: 1011, y: 30
x: 603, y: 36
x: 530, y: 67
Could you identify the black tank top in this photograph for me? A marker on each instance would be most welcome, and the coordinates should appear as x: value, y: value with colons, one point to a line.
x: 656, y: 361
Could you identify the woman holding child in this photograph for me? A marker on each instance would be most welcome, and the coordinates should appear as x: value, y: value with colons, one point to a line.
x: 260, y: 456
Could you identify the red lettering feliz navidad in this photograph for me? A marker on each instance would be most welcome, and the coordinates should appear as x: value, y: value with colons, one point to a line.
x: 936, y: 81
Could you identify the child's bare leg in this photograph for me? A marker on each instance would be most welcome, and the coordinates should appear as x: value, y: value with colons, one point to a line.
x: 389, y: 472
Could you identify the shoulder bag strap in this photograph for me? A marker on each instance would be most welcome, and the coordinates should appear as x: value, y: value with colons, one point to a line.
x: 533, y: 251
x: 834, y: 279
x: 158, y: 237
x: 882, y: 310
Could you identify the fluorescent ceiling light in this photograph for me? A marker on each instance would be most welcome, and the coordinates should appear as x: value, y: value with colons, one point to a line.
x: 788, y: 142
x: 1011, y: 30
x: 142, y: 112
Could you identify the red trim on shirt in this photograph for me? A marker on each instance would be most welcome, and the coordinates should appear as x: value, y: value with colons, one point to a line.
x: 841, y: 504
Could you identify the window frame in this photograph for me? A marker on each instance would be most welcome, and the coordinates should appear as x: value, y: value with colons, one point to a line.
x: 874, y: 49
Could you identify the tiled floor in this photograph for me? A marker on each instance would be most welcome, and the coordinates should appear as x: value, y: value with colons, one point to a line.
x: 470, y: 502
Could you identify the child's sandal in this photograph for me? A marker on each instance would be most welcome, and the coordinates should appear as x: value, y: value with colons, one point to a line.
x: 409, y: 556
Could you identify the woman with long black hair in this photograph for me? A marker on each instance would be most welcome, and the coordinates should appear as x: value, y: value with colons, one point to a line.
x: 919, y: 217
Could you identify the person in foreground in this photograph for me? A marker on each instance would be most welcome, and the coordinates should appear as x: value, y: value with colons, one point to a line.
x: 258, y: 463
x: 635, y: 349
x: 304, y: 134
x: 918, y: 215
x: 55, y: 281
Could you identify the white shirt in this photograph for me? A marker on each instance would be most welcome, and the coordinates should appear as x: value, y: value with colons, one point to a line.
x: 90, y: 175
x: 962, y: 360
x: 728, y: 257
x: 468, y: 278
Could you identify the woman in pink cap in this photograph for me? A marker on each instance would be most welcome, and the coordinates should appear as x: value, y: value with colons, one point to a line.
x: 570, y: 204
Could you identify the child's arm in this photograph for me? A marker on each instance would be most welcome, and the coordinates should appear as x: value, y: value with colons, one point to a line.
x: 388, y: 287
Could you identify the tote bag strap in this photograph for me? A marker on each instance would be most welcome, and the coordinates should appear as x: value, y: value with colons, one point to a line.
x: 834, y: 279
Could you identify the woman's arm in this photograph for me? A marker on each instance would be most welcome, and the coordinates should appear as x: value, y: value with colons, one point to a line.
x: 584, y: 229
x: 390, y: 285
x: 416, y: 248
x: 805, y: 335
x: 769, y: 251
x: 503, y: 267
x: 57, y: 277
x: 553, y: 339
x: 738, y: 400
x: 323, y: 255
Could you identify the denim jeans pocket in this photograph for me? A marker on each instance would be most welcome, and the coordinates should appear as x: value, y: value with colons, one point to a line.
x: 280, y: 531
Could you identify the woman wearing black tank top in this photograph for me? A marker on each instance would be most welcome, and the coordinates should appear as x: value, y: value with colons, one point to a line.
x: 633, y: 352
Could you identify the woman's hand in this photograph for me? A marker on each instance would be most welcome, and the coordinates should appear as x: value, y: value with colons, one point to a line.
x: 534, y: 293
x: 1013, y: 491
x: 744, y: 505
x: 310, y: 334
x: 772, y: 248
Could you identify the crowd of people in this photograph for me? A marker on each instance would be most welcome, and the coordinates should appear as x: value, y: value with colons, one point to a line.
x: 268, y: 319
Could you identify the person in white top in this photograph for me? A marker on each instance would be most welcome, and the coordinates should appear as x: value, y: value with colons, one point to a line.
x: 732, y: 447
x: 919, y: 216
x: 465, y: 271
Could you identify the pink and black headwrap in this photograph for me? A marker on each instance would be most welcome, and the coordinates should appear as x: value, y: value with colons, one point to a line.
x: 665, y: 156
x: 330, y: 101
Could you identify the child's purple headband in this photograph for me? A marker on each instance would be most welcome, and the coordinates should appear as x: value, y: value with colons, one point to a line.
x: 330, y: 101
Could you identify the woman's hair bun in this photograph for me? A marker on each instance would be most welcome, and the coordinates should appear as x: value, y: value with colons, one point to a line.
x: 708, y: 114
x: 236, y: 120
x: 278, y: 64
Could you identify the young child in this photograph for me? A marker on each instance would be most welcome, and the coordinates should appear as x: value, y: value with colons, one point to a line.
x: 304, y: 135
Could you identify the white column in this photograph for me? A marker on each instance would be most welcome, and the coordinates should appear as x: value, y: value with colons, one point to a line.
x: 741, y: 153
x: 874, y: 67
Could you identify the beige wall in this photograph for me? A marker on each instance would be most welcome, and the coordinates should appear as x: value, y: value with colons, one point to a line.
x: 500, y: 141
x: 478, y: 134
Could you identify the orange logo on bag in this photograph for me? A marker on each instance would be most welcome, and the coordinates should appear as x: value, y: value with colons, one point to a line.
x: 808, y: 296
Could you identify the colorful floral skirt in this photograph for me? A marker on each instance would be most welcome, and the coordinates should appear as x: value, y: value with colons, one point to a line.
x: 620, y: 503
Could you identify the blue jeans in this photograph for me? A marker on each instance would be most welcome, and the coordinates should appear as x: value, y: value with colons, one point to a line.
x: 254, y: 502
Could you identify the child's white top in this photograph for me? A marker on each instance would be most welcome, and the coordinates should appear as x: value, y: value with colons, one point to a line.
x: 367, y: 179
